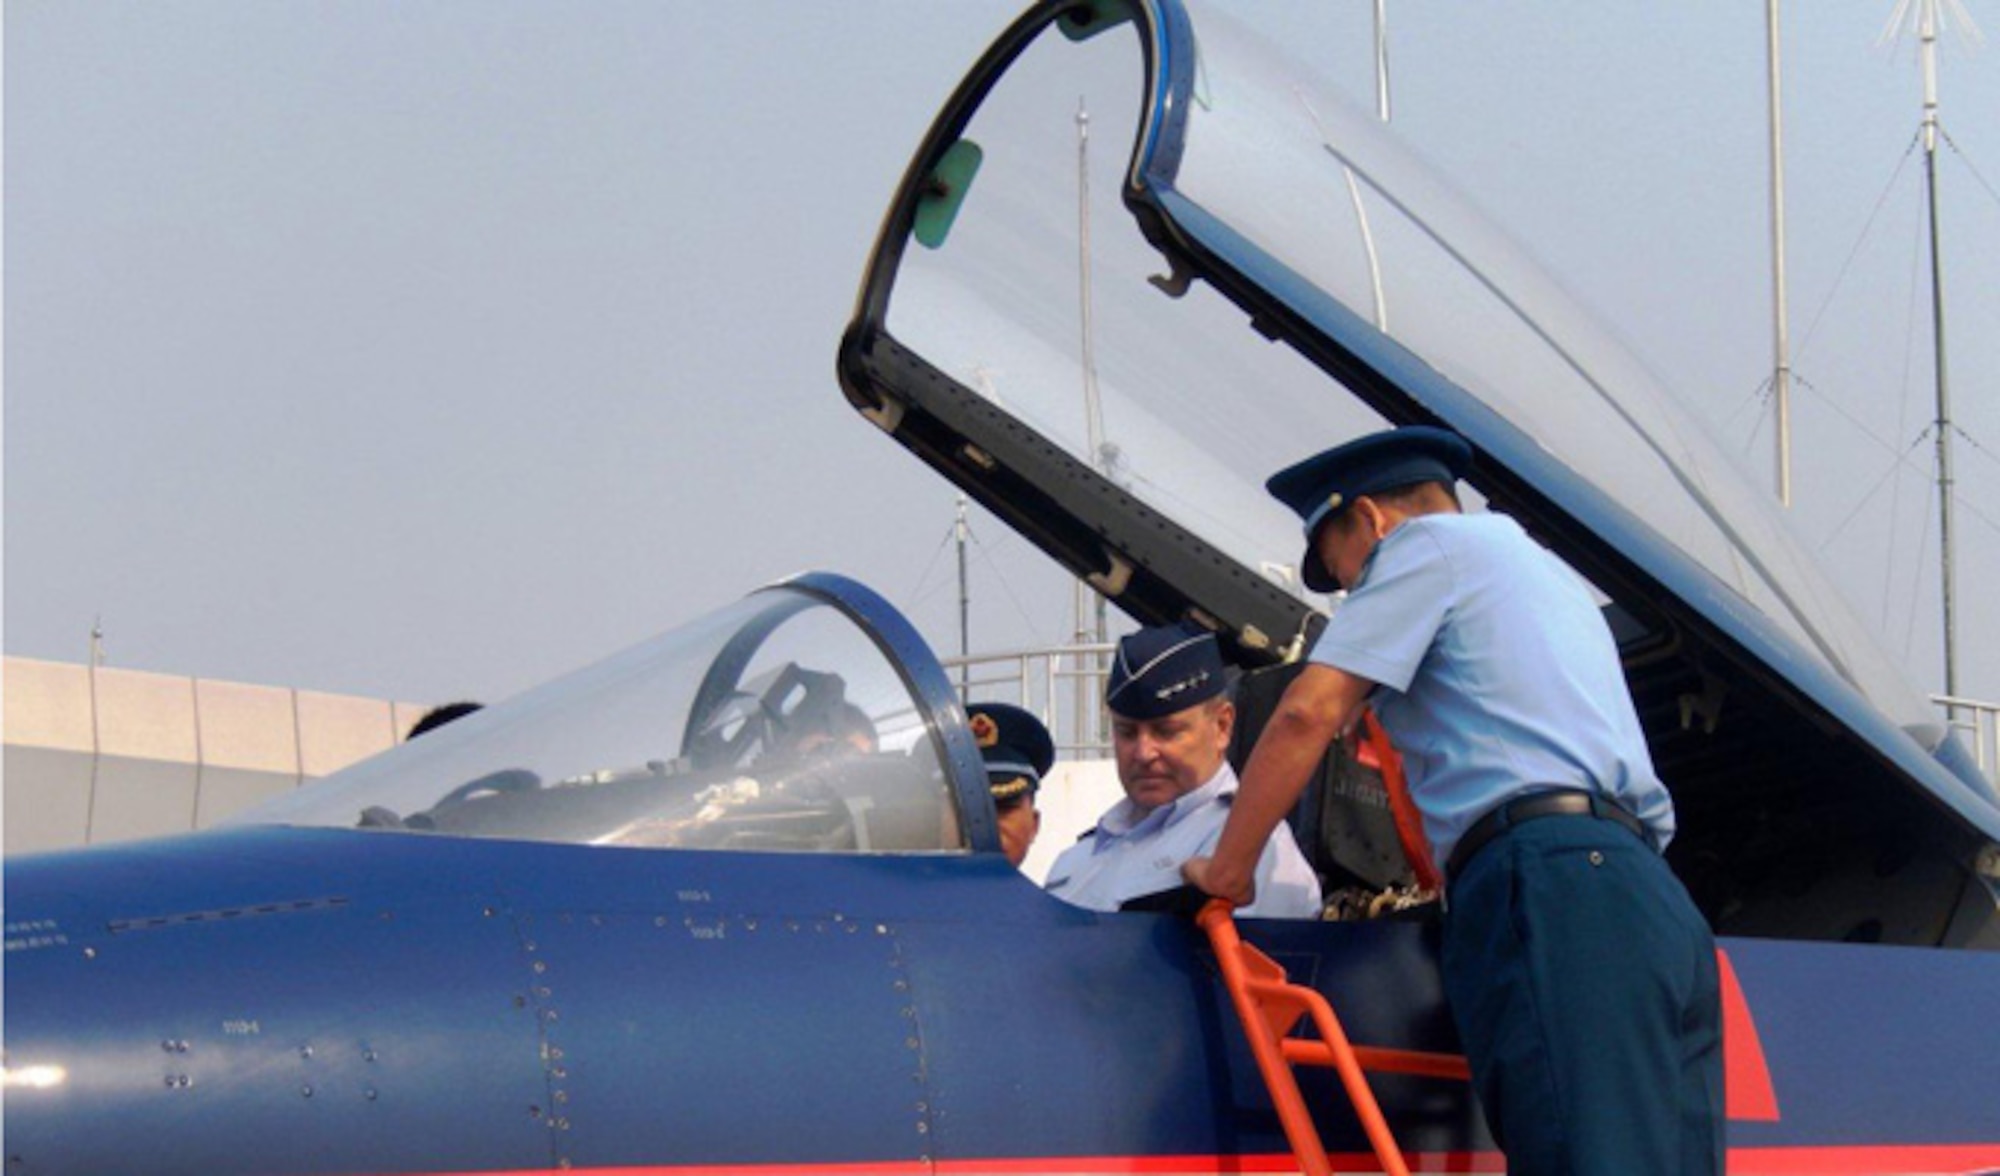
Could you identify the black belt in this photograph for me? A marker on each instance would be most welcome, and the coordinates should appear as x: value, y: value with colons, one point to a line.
x: 1567, y: 803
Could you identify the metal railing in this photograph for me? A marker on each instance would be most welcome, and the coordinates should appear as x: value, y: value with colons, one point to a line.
x: 1063, y: 685
x: 1978, y: 723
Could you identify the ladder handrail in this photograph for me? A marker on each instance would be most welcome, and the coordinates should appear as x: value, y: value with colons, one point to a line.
x: 1270, y: 1007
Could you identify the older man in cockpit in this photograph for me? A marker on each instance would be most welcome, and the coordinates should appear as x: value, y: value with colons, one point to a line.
x: 1170, y: 722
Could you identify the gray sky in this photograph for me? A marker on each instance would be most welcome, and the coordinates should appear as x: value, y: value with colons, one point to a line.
x: 426, y: 350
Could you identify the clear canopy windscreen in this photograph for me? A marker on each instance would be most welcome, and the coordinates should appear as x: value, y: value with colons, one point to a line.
x: 1040, y: 299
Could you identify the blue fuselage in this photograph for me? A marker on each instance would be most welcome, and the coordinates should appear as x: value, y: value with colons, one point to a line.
x: 327, y: 1001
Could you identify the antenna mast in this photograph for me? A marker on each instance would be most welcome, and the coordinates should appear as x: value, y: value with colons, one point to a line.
x: 1927, y: 31
x: 1781, y: 363
x: 1093, y: 407
x: 1382, y: 60
x: 961, y: 532
x: 1926, y: 18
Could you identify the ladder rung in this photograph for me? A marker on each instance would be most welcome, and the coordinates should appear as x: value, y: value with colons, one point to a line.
x: 1304, y: 1052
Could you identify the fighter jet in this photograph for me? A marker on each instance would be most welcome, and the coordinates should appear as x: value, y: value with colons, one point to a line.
x: 734, y: 901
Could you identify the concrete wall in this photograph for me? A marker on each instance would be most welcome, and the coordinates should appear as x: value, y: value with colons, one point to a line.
x: 110, y: 754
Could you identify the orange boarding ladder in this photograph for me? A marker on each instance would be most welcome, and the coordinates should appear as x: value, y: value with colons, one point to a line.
x: 1270, y: 1007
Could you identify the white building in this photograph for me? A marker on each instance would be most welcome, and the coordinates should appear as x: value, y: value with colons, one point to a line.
x: 100, y: 754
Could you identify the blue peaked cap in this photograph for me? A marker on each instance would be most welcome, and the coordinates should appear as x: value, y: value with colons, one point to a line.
x: 1162, y: 670
x: 1321, y: 486
x: 1015, y: 745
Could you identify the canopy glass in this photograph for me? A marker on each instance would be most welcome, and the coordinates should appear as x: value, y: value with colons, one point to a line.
x: 782, y: 722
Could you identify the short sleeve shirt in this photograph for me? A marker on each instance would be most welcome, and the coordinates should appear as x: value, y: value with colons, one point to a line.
x: 1497, y: 675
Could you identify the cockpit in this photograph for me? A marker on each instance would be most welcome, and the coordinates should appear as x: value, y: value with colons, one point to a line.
x: 804, y: 718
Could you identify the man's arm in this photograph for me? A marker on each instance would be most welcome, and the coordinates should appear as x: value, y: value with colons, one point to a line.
x: 1319, y: 704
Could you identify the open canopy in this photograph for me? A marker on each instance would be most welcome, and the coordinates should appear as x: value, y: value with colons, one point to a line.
x: 1072, y: 313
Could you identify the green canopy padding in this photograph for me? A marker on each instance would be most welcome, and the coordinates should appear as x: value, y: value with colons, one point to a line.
x: 945, y: 191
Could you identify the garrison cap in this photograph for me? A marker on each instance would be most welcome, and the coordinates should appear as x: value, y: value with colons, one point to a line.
x: 1161, y: 670
x: 1321, y: 486
x: 1016, y: 747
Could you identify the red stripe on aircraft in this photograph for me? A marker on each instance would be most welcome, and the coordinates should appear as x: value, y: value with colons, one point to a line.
x: 1746, y: 1077
x: 1941, y: 1159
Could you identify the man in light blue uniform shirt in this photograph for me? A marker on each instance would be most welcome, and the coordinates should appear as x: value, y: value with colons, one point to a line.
x: 1170, y: 724
x: 1582, y: 979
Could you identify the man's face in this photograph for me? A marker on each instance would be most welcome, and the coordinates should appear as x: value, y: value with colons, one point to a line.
x: 1171, y: 756
x: 1019, y: 820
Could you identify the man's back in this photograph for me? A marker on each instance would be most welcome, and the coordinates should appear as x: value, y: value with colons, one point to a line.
x: 1497, y: 670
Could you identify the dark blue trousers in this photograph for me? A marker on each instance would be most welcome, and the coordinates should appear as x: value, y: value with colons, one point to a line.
x: 1585, y: 989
